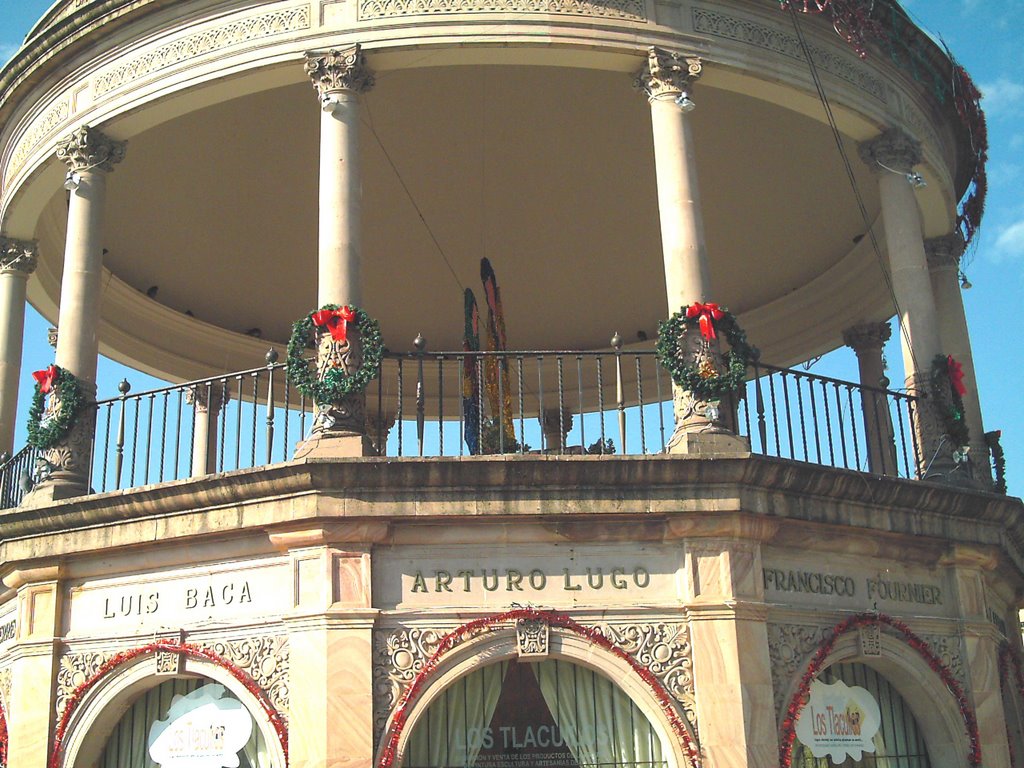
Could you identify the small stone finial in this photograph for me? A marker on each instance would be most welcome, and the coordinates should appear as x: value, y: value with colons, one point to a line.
x: 338, y: 71
x: 944, y: 251
x: 419, y: 342
x: 124, y: 387
x: 616, y: 342
x: 88, y: 149
x: 893, y: 150
x: 271, y: 357
x: 18, y: 255
x: 667, y: 74
x: 865, y: 336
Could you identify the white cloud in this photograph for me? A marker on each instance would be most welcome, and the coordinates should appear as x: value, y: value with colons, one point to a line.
x: 1010, y: 242
x: 1002, y: 97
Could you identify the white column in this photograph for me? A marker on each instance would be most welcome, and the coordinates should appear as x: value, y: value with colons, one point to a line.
x: 893, y: 156
x: 701, y: 426
x: 206, y: 401
x: 89, y: 155
x: 668, y: 81
x: 944, y: 262
x: 18, y: 259
x: 339, y: 428
x: 339, y: 77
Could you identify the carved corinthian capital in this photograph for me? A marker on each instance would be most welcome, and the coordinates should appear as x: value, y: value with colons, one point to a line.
x: 337, y: 71
x: 90, y: 150
x: 893, y: 150
x: 667, y: 73
x: 18, y: 255
x: 944, y: 252
x: 866, y: 337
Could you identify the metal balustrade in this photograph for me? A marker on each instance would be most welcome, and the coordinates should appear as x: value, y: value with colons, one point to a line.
x: 551, y: 402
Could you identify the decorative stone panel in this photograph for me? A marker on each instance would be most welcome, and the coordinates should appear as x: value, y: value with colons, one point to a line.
x: 789, y: 646
x: 74, y: 670
x: 259, y: 27
x: 613, y: 9
x: 5, y: 688
x: 769, y: 38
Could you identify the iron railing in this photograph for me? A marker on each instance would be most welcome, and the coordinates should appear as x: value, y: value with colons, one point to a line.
x: 562, y: 402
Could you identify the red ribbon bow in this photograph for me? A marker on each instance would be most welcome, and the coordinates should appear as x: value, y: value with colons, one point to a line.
x: 45, y: 379
x: 707, y: 313
x: 956, y: 375
x: 335, y: 320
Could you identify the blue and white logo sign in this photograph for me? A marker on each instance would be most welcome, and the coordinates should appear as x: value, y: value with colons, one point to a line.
x: 202, y: 730
x: 839, y: 721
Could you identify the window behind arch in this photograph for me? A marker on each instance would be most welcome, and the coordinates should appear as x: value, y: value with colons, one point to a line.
x: 128, y: 744
x: 898, y: 744
x: 546, y: 714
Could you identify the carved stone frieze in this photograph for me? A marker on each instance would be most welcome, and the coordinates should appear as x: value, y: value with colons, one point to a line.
x: 5, y: 688
x: 893, y: 150
x: 612, y: 9
x: 71, y: 455
x: 870, y: 637
x: 266, y: 659
x: 845, y: 67
x: 398, y: 656
x: 337, y: 71
x: 667, y: 74
x: 18, y: 255
x: 950, y: 651
x: 53, y: 117
x: 789, y: 648
x: 265, y: 25
x: 88, y: 149
x: 74, y: 670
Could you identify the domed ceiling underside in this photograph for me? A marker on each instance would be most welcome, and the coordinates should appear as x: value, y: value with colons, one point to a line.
x: 547, y: 172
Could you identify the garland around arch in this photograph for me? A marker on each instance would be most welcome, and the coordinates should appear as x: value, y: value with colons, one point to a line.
x: 457, y: 636
x: 166, y: 646
x: 800, y: 697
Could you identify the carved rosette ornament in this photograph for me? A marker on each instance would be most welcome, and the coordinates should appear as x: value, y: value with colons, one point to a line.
x: 667, y: 74
x: 18, y: 255
x: 90, y: 150
x: 789, y: 648
x: 266, y: 659
x: 74, y: 670
x: 339, y: 71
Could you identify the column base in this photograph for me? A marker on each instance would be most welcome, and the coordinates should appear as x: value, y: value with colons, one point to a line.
x: 335, y: 445
x: 57, y: 487
x: 707, y: 444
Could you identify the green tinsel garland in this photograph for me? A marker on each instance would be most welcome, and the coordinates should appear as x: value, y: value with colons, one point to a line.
x: 72, y: 401
x: 950, y: 404
x: 998, y: 460
x: 687, y: 376
x: 336, y: 385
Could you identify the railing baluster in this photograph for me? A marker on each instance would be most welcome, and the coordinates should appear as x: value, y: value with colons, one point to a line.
x: 661, y: 405
x: 579, y: 388
x: 600, y: 397
x: 499, y: 417
x: 480, y: 403
x: 440, y: 405
x: 420, y: 344
x: 149, y: 437
x: 775, y: 414
x: 106, y: 448
x: 255, y: 416
x: 287, y: 416
x: 762, y: 425
x: 381, y: 449
x: 814, y: 419
x: 828, y: 424
x: 398, y: 408
x: 789, y: 413
x: 522, y: 415
x: 620, y: 402
x: 842, y: 427
x: 271, y: 359
x: 640, y: 398
x: 853, y: 428
x: 223, y: 383
x: 461, y: 363
x: 135, y: 443
x: 123, y: 388
x: 561, y: 409
x: 239, y: 381
x: 540, y: 403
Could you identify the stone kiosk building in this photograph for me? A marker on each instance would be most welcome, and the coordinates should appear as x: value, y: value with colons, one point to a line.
x: 181, y: 181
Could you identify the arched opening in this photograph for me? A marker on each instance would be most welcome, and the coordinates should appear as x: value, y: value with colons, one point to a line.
x: 544, y: 714
x: 899, y: 741
x: 185, y: 720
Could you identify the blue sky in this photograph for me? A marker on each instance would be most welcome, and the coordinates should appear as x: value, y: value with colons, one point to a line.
x: 984, y: 36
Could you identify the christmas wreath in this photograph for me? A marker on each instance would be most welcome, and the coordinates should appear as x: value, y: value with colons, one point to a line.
x: 46, y: 433
x: 704, y: 381
x: 336, y: 384
x: 947, y: 384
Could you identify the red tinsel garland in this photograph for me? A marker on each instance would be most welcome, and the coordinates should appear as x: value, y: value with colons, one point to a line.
x: 3, y: 737
x: 802, y: 694
x: 851, y: 19
x: 1008, y: 656
x: 967, y: 99
x: 554, y: 619
x: 167, y: 646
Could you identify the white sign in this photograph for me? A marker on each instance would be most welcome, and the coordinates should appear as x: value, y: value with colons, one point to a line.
x: 838, y: 721
x: 202, y: 730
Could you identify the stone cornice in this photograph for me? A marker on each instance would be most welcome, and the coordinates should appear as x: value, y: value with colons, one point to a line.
x: 527, y: 490
x: 18, y: 255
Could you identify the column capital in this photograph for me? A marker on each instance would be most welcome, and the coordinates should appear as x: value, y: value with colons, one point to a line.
x: 893, y: 150
x: 945, y: 251
x: 667, y: 74
x: 867, y: 336
x: 88, y: 149
x: 207, y: 399
x: 18, y: 255
x: 337, y: 71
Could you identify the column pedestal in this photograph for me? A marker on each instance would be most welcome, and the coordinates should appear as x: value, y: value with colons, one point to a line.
x: 867, y: 340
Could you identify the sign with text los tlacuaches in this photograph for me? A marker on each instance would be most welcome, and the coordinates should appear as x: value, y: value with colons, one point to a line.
x: 839, y: 721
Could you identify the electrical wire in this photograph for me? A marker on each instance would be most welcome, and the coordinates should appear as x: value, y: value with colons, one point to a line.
x: 852, y: 179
